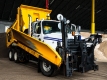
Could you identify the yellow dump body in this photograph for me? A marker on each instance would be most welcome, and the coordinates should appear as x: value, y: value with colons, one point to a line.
x: 34, y: 12
x: 27, y: 43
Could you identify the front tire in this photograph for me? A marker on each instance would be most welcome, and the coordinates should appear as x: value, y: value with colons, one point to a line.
x: 46, y: 68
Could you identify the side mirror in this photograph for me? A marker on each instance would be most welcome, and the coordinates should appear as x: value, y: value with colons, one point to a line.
x: 78, y: 28
x: 59, y: 25
x: 73, y: 27
x: 68, y: 21
x: 60, y: 17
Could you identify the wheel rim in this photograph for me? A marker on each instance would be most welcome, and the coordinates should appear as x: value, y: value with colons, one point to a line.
x: 46, y: 67
x: 10, y: 54
x: 15, y: 56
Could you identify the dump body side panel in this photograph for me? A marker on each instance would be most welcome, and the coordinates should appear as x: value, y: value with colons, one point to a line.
x: 35, y: 47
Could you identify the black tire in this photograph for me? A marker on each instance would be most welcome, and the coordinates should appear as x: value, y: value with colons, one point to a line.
x: 46, y: 68
x: 23, y: 57
x: 26, y: 58
x: 16, y: 56
x: 11, y: 54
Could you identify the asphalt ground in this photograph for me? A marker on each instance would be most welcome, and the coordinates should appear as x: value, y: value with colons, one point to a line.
x: 9, y: 70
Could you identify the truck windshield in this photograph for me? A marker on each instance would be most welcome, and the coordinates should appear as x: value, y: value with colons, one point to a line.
x: 50, y: 27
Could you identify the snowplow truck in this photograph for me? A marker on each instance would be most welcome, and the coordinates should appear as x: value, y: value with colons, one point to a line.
x: 34, y: 36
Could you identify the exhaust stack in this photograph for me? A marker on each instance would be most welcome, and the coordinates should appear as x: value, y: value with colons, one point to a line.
x: 47, y: 3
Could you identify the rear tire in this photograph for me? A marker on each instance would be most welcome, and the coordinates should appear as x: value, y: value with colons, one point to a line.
x: 46, y: 68
x: 24, y: 57
x: 16, y: 56
x: 11, y: 54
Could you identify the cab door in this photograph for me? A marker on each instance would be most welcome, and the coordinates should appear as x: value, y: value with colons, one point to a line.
x: 37, y: 31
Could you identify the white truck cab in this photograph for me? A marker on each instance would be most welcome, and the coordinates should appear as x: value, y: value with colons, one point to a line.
x: 49, y: 32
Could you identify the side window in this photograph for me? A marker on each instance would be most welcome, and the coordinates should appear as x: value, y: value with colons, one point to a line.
x: 37, y: 28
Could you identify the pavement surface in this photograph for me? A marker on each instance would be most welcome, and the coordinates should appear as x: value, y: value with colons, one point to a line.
x: 9, y: 70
